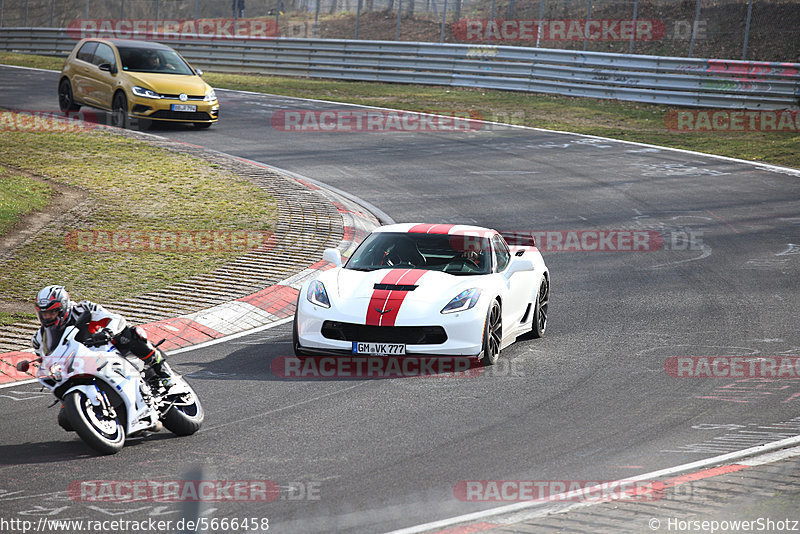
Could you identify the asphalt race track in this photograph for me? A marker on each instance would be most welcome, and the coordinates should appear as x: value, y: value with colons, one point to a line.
x: 589, y: 401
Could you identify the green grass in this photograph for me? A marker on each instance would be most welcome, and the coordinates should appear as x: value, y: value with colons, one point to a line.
x: 131, y: 186
x: 20, y: 195
x: 8, y: 319
x: 31, y: 60
x: 644, y: 123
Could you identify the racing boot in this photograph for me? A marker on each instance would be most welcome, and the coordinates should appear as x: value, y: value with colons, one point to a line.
x: 161, y: 368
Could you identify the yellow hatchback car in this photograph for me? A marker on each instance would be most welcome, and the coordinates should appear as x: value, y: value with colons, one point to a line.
x: 136, y: 80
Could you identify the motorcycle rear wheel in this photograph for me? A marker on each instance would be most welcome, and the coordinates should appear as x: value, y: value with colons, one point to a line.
x: 104, y: 434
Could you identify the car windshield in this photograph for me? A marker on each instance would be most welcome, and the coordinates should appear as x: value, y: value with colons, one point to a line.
x: 152, y: 60
x: 453, y: 254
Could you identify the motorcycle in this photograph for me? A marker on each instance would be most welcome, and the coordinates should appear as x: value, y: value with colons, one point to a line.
x: 105, y: 396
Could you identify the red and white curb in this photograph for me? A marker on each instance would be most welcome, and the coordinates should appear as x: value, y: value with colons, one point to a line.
x: 271, y: 305
x: 505, y: 516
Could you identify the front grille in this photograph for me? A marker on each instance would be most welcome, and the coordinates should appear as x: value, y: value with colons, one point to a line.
x: 181, y: 115
x: 177, y: 97
x: 409, y: 335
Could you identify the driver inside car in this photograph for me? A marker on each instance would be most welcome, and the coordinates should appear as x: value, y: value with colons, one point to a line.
x: 404, y: 252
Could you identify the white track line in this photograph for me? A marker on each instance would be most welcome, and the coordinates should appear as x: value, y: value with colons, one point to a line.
x: 520, y: 506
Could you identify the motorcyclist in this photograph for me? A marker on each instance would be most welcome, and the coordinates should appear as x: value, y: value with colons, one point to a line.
x: 96, y: 326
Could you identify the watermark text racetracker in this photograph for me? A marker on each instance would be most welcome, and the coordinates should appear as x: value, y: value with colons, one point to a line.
x: 566, y: 490
x: 170, y: 491
x: 355, y: 120
x: 762, y: 366
x: 47, y: 121
x: 559, y: 30
x: 376, y: 367
x: 185, y: 30
x: 602, y: 240
x: 151, y: 241
x: 727, y: 120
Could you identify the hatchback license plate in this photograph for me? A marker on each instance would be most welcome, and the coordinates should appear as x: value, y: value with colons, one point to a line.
x: 184, y: 107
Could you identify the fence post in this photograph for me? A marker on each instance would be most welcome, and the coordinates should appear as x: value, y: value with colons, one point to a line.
x: 444, y: 17
x: 158, y: 5
x: 1, y: 13
x: 86, y: 10
x: 747, y: 29
x: 586, y: 26
x: 539, y: 27
x: 196, y: 13
x: 25, y: 23
x: 635, y: 16
x: 316, y: 19
x: 399, y: 10
x: 52, y: 10
x: 694, y: 28
x: 121, y: 10
x: 278, y: 17
x: 358, y: 16
x: 491, y: 21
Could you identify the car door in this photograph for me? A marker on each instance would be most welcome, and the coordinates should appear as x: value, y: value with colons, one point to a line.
x: 103, y: 81
x: 81, y: 73
x: 516, y: 288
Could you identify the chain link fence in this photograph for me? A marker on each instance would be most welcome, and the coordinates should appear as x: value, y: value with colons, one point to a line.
x: 764, y: 30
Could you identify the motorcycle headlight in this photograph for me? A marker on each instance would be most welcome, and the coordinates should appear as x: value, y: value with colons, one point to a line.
x: 463, y: 301
x: 210, y: 96
x: 55, y: 372
x: 316, y: 294
x: 145, y: 93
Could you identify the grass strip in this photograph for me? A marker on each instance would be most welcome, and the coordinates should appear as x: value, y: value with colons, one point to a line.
x: 138, y: 228
x: 20, y: 195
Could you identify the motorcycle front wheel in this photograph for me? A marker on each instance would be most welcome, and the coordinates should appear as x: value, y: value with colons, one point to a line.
x: 100, y: 431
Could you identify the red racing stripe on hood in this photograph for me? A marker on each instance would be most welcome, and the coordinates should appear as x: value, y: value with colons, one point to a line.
x: 384, y: 304
x: 431, y: 229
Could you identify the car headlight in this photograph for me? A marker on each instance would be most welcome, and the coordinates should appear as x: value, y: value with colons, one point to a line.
x: 316, y: 294
x: 146, y: 93
x: 210, y: 96
x: 463, y: 301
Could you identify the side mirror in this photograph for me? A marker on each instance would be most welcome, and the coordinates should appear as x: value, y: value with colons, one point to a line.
x: 23, y: 366
x: 199, y: 72
x: 519, y: 265
x: 332, y: 255
x: 108, y: 67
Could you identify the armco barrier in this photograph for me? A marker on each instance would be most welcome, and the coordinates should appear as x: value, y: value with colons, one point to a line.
x: 711, y: 83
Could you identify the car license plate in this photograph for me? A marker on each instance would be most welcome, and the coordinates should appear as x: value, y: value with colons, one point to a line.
x: 379, y: 349
x: 184, y: 107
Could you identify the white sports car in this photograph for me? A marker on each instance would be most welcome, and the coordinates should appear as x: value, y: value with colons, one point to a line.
x: 428, y: 289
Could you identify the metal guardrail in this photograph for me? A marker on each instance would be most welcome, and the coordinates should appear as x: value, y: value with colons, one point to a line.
x: 710, y: 83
